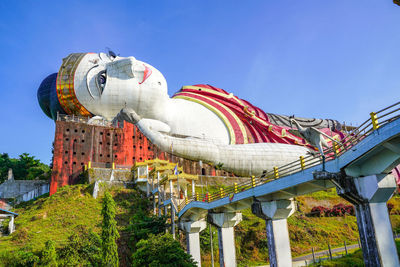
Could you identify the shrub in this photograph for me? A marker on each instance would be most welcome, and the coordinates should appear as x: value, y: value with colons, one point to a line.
x: 141, y: 226
x: 337, y: 211
x: 390, y: 206
x: 49, y: 255
x: 318, y: 211
x: 20, y: 258
x: 82, y: 249
x: 161, y: 250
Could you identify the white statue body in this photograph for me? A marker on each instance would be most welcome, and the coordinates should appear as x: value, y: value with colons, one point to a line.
x: 104, y: 85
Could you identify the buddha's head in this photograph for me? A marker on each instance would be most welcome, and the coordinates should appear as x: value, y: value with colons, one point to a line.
x: 89, y: 84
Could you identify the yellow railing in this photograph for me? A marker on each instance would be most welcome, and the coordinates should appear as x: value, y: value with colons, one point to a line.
x: 353, y: 138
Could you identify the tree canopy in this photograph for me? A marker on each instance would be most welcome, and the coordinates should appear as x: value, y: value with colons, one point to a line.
x: 161, y: 250
x: 49, y: 254
x: 141, y: 226
x: 25, y: 167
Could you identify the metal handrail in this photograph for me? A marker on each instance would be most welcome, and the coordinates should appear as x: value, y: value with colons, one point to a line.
x: 395, y: 104
x: 353, y: 138
x: 83, y: 119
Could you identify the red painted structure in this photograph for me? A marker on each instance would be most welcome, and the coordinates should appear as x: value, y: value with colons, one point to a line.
x: 77, y: 143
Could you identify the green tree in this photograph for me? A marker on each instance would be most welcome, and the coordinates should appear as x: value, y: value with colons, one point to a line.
x: 19, y: 258
x: 69, y: 254
x: 26, y: 167
x: 49, y: 255
x: 83, y: 249
x: 109, y: 232
x: 29, y: 168
x: 141, y: 226
x: 91, y: 249
x: 5, y: 164
x: 161, y: 250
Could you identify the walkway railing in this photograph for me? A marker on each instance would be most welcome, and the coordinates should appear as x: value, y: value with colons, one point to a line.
x: 109, y: 165
x: 86, y: 120
x: 385, y: 116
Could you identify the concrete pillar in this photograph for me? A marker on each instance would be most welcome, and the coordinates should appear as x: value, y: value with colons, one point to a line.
x: 165, y: 198
x: 172, y: 221
x: 192, y: 230
x: 178, y: 187
x: 225, y: 222
x: 154, y: 205
x: 275, y: 214
x: 193, y: 189
x: 159, y: 206
x: 170, y: 188
x: 369, y: 195
x: 11, y: 227
x: 158, y: 195
x: 147, y: 179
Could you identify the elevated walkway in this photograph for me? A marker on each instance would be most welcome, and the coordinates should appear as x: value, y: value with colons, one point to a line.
x: 375, y: 152
x: 359, y: 167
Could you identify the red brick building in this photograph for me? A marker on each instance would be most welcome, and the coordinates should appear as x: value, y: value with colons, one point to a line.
x: 77, y: 142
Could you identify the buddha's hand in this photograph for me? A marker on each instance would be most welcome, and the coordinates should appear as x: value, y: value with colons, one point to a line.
x: 127, y: 114
x: 147, y: 126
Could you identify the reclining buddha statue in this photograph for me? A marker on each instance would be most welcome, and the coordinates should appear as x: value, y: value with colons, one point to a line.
x: 199, y: 122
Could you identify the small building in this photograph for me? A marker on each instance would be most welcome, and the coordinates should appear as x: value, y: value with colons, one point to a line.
x: 4, y: 214
x: 22, y: 190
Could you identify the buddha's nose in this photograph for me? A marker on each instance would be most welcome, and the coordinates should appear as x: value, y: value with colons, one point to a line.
x: 126, y: 65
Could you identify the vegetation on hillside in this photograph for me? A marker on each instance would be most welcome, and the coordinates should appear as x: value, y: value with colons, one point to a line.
x: 354, y: 259
x: 72, y: 221
x: 161, y: 250
x: 143, y: 225
x: 109, y: 232
x: 49, y: 254
x: 25, y: 167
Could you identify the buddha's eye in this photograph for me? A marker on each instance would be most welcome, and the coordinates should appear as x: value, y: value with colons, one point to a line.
x: 101, y: 80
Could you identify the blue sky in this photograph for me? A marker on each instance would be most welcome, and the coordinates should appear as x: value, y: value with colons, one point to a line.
x: 324, y: 59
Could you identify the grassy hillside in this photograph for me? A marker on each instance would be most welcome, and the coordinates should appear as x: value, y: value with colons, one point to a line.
x: 73, y: 209
x: 53, y: 217
x: 354, y: 259
x: 70, y: 210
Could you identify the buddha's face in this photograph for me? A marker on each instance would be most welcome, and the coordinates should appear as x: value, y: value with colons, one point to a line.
x: 105, y: 84
x: 100, y: 84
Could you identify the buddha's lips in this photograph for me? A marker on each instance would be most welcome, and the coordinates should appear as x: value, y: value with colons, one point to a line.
x: 147, y: 73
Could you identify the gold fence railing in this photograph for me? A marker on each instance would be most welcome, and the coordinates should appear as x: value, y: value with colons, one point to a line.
x: 374, y: 122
